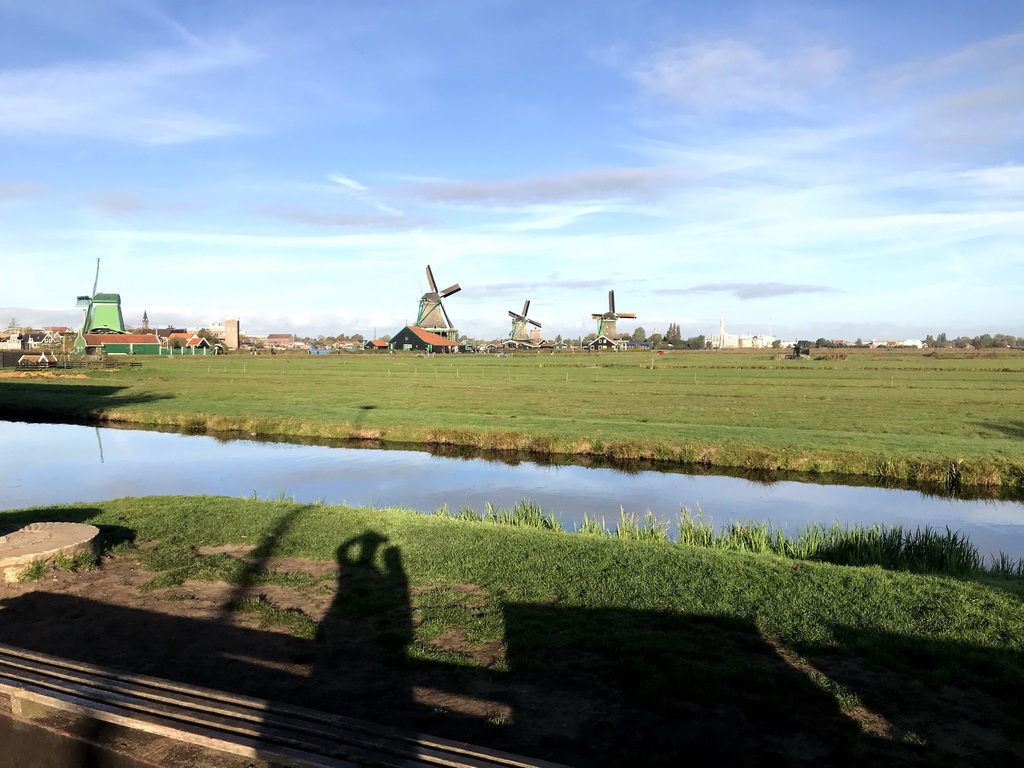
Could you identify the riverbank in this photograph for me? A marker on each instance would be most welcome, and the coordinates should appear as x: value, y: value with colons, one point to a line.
x: 917, y: 418
x: 586, y: 649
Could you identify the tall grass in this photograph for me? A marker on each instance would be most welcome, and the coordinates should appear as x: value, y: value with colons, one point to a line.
x: 894, y: 547
x: 924, y: 550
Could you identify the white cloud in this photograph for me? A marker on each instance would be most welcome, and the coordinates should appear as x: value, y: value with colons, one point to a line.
x: 362, y: 192
x: 596, y: 184
x: 148, y: 100
x: 731, y: 75
x: 346, y: 182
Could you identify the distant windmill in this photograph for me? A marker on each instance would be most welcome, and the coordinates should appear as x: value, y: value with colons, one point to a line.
x: 432, y: 315
x: 520, y: 333
x: 606, y: 321
x: 102, y: 310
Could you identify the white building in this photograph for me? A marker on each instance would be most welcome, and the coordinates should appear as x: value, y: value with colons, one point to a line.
x: 723, y: 340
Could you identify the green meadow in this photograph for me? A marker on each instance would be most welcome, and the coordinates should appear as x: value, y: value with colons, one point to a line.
x: 603, y: 646
x: 942, y: 418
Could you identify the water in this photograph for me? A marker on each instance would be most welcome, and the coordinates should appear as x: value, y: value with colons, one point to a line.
x: 57, y: 463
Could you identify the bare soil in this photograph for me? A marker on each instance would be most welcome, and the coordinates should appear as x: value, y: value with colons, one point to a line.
x: 541, y: 691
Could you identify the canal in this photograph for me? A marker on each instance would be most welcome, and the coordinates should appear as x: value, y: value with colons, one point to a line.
x: 46, y: 464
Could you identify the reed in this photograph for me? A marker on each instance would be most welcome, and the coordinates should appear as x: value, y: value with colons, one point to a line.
x: 894, y: 547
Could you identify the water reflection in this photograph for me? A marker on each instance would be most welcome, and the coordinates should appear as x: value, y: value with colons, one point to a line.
x: 51, y: 463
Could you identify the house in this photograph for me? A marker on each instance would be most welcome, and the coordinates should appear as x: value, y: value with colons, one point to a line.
x: 43, y: 360
x: 281, y: 340
x: 186, y: 344
x: 10, y: 341
x: 414, y: 338
x: 163, y: 333
x: 375, y: 344
x: 603, y: 342
x: 117, y: 344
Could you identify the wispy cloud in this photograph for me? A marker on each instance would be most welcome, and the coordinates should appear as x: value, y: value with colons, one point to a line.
x: 20, y: 191
x: 127, y: 202
x: 525, y: 288
x: 346, y: 182
x: 362, y: 192
x: 598, y: 184
x: 972, y: 96
x: 732, y: 75
x: 152, y: 100
x: 350, y: 220
x: 749, y: 290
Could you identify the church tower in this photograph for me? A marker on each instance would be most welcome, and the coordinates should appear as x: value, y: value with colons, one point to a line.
x: 145, y: 320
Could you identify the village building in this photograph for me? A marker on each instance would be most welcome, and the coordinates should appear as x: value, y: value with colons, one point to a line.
x: 186, y: 344
x: 417, y: 339
x: 117, y: 344
x: 43, y: 360
x: 281, y: 340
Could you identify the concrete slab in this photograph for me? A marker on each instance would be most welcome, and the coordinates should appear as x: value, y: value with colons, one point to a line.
x: 22, y: 545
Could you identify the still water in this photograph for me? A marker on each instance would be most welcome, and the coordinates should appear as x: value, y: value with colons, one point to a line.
x: 58, y: 463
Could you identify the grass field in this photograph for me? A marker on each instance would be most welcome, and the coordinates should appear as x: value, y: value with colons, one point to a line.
x: 940, y: 418
x: 643, y: 647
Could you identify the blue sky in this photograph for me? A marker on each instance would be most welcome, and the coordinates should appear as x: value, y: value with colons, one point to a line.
x: 816, y: 169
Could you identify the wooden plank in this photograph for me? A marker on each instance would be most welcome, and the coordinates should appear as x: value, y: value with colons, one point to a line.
x: 239, y: 721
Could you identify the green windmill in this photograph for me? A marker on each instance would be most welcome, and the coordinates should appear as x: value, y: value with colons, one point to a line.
x: 432, y: 315
x: 102, y: 310
x: 607, y: 321
x: 520, y: 333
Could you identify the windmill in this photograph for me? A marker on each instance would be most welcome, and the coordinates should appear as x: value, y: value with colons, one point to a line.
x: 606, y: 321
x: 432, y: 315
x: 102, y: 310
x: 520, y: 334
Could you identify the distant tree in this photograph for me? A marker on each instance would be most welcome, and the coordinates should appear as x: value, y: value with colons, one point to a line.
x: 639, y: 334
x: 656, y: 339
x: 929, y: 341
x: 673, y: 334
x: 210, y: 336
x: 176, y: 343
x: 358, y: 337
x: 558, y: 339
x: 941, y: 341
x: 825, y: 343
x: 386, y: 338
x: 589, y: 338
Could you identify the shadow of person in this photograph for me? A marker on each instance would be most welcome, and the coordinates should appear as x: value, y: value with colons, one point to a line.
x: 362, y: 639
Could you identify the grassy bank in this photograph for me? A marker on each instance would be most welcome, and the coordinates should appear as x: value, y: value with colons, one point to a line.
x: 663, y: 649
x: 937, y: 420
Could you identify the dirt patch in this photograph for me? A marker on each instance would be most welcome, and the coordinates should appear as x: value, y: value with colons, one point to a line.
x: 40, y: 375
x: 546, y: 683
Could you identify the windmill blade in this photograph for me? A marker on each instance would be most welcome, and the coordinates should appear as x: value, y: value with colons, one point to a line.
x: 597, y: 316
x: 430, y: 279
x: 97, y: 280
x: 526, y: 308
x: 627, y: 314
x: 533, y: 322
x: 445, y: 313
x: 450, y: 290
x: 514, y: 316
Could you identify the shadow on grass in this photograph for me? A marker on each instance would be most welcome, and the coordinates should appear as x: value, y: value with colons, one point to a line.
x: 587, y: 687
x: 1009, y: 427
x: 66, y: 402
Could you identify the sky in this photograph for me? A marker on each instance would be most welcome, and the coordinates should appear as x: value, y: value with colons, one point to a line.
x: 846, y: 170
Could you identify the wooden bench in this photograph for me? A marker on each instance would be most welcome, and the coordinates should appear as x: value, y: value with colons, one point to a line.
x: 38, y: 684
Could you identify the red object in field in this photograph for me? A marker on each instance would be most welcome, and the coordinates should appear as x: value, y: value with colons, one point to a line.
x: 661, y: 352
